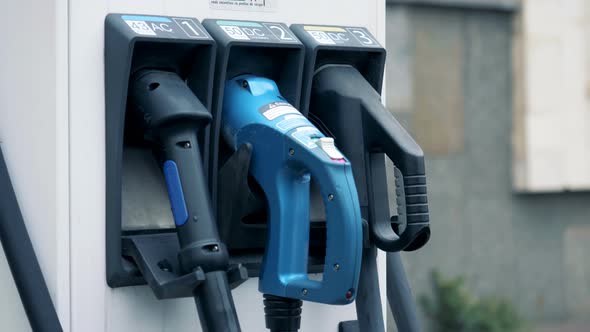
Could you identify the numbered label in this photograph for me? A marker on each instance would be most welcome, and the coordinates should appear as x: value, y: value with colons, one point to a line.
x: 255, y: 31
x: 234, y: 32
x: 340, y: 36
x: 166, y: 27
x: 321, y: 37
x: 141, y: 28
x: 363, y: 36
x: 190, y: 27
x: 281, y: 32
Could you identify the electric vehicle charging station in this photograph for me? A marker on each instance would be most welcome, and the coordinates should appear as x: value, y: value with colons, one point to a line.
x: 86, y: 141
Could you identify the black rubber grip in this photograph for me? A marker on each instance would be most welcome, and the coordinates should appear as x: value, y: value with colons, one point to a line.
x: 412, y: 202
x: 416, y: 199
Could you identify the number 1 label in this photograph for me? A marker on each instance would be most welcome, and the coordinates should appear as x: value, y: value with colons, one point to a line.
x: 190, y: 27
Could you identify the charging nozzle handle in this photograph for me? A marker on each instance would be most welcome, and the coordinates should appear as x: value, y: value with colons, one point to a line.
x: 384, y: 134
x: 289, y: 232
x: 351, y: 109
x: 200, y: 244
x: 172, y: 118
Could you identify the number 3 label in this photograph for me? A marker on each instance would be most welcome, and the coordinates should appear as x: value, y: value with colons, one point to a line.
x: 363, y: 37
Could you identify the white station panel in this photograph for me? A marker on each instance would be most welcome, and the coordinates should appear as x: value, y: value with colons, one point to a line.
x: 52, y: 132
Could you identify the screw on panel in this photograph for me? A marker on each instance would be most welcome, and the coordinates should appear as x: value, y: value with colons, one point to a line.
x: 330, y: 197
x: 165, y: 266
x: 245, y: 84
x: 291, y: 152
x: 336, y: 267
x: 215, y: 248
x: 187, y: 145
x: 304, y: 291
x: 349, y: 294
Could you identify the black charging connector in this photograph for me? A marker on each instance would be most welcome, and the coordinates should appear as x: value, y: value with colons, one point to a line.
x: 172, y: 118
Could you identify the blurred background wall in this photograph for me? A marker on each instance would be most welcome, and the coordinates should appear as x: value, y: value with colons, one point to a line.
x: 497, y: 94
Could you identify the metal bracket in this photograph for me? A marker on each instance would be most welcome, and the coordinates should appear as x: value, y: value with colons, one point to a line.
x: 156, y: 258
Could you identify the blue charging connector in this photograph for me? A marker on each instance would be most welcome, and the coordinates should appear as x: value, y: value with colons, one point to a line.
x: 287, y: 152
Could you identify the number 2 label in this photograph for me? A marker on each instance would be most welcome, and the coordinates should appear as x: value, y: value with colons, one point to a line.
x: 280, y: 32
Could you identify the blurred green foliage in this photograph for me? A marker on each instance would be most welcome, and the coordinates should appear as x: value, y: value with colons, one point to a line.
x: 452, y: 308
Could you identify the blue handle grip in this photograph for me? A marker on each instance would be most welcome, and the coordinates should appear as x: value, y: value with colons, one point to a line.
x: 284, y: 271
x: 175, y: 194
x: 284, y: 159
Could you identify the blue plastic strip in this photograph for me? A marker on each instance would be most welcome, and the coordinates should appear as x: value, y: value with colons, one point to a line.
x: 146, y: 18
x: 240, y: 24
x: 175, y: 193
